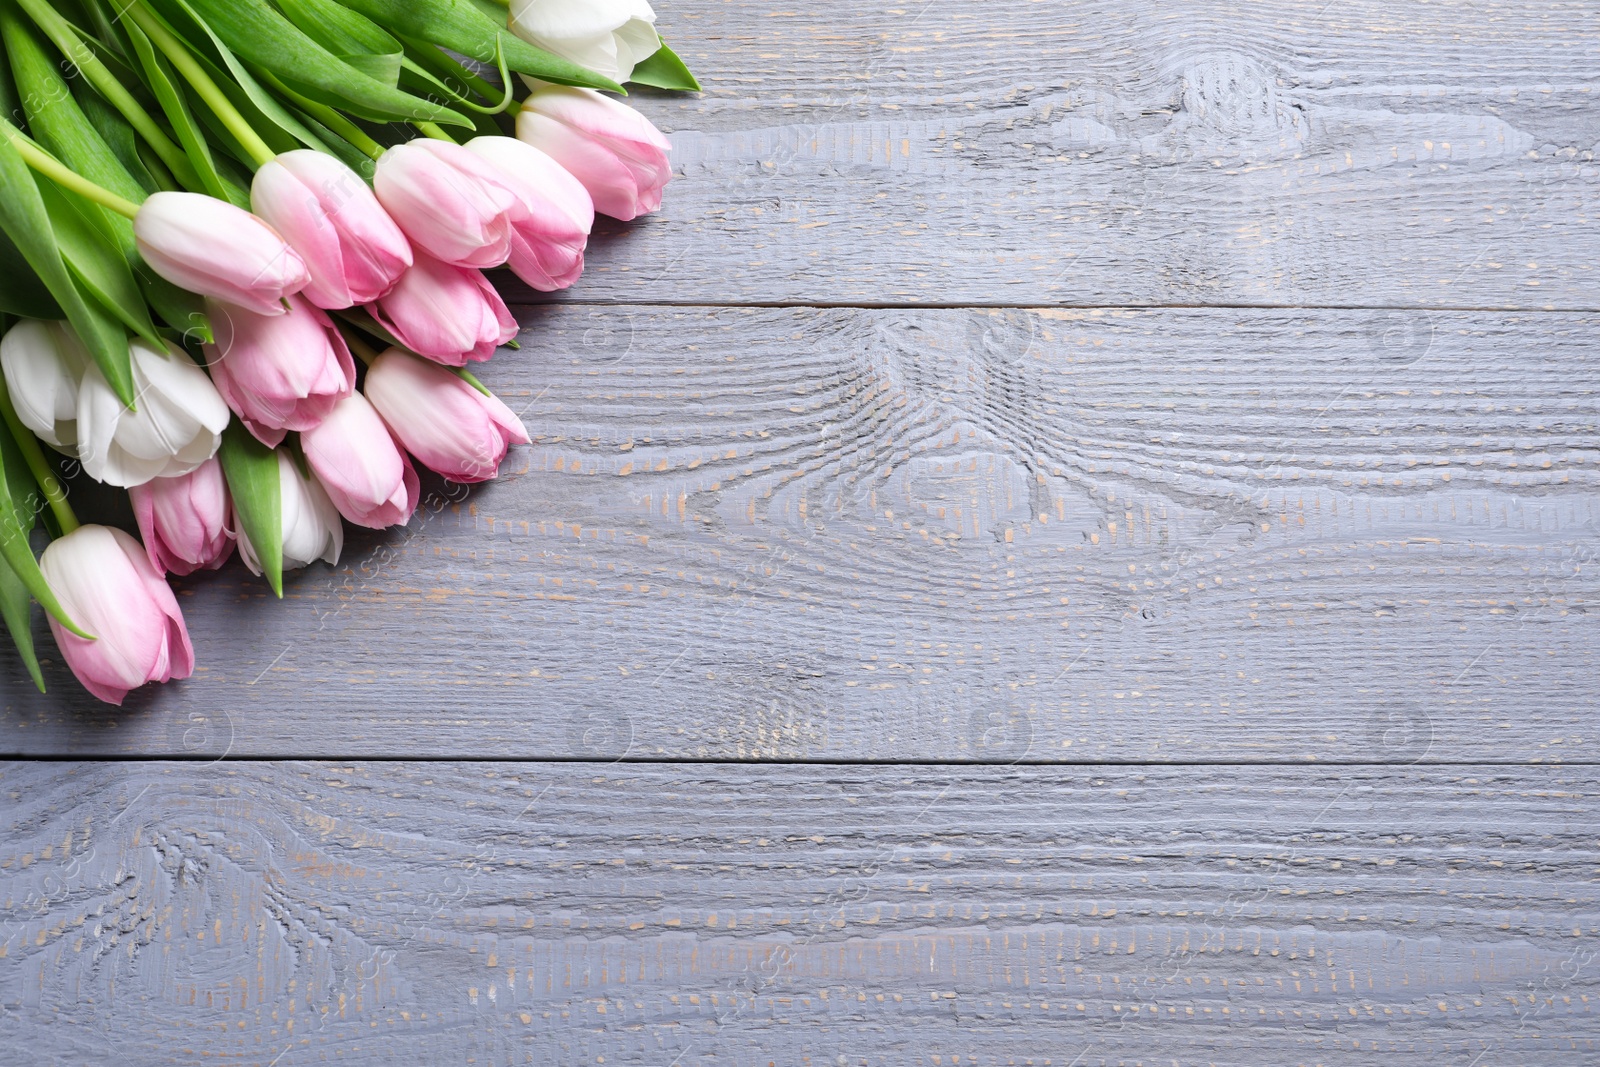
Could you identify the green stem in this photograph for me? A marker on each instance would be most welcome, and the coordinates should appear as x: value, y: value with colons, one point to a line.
x: 430, y: 129
x: 33, y: 455
x: 328, y: 117
x: 178, y: 54
x: 47, y: 165
x: 359, y: 348
x: 65, y: 37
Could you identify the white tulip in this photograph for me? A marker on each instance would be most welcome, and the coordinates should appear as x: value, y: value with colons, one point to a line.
x: 607, y: 36
x: 43, y: 363
x: 177, y: 426
x: 312, y: 528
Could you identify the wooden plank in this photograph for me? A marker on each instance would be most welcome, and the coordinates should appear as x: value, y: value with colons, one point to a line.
x: 1299, y: 153
x: 948, y: 534
x: 560, y: 914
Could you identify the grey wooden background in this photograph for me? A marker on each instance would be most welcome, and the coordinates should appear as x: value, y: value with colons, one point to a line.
x: 1072, y: 539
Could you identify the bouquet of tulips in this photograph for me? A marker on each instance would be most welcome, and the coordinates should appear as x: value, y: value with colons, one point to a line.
x: 212, y: 210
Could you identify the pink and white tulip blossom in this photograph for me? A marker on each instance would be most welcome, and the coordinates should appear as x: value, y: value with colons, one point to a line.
x: 107, y: 586
x: 357, y: 460
x: 448, y: 425
x: 449, y: 314
x: 310, y: 522
x: 448, y: 201
x: 43, y: 364
x: 279, y: 372
x: 609, y: 37
x: 177, y: 427
x: 184, y: 520
x: 608, y: 146
x: 210, y: 247
x: 322, y: 208
x: 548, y: 235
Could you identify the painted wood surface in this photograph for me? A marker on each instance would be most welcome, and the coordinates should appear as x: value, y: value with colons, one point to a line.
x: 1350, y: 153
x: 951, y: 534
x: 560, y: 914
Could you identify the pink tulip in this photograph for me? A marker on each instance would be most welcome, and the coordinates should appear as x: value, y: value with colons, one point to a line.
x: 549, y: 233
x: 359, y: 463
x: 279, y: 372
x: 448, y: 201
x: 107, y: 586
x: 608, y: 146
x: 184, y: 520
x: 449, y: 314
x: 351, y: 246
x: 210, y: 247
x: 448, y: 425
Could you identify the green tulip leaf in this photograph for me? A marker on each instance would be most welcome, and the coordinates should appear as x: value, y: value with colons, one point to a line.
x: 120, y: 137
x: 16, y: 605
x: 163, y: 83
x: 251, y: 469
x: 21, y: 291
x: 178, y: 308
x: 352, y: 37
x: 26, y: 221
x: 462, y: 27
x: 95, y: 262
x: 271, y: 121
x: 19, y: 497
x: 663, y: 69
x: 15, y: 600
x: 258, y: 34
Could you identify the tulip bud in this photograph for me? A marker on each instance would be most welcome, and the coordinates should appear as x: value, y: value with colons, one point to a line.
x: 311, y: 526
x: 177, y: 427
x: 609, y: 38
x: 448, y: 201
x: 107, y: 586
x: 184, y: 520
x: 210, y: 247
x: 448, y: 425
x: 356, y: 458
x: 608, y: 146
x: 43, y: 363
x: 279, y: 372
x: 549, y: 233
x: 323, y: 209
x: 449, y: 314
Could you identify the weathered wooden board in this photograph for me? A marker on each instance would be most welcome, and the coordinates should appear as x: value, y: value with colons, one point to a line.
x: 1276, y: 152
x: 952, y: 534
x: 554, y: 914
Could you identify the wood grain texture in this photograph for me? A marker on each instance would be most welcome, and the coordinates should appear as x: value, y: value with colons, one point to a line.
x: 951, y: 534
x: 556, y: 914
x: 1308, y: 152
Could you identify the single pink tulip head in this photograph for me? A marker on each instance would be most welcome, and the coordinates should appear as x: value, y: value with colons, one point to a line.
x: 449, y: 314
x: 355, y: 456
x: 449, y: 202
x: 184, y: 520
x: 108, y: 587
x: 351, y: 247
x: 442, y: 420
x: 618, y: 155
x: 279, y: 372
x: 210, y: 247
x: 549, y: 233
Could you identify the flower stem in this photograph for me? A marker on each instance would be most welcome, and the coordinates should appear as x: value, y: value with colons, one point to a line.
x: 359, y: 348
x: 185, y: 63
x: 431, y: 129
x: 33, y: 455
x: 48, y: 165
x: 65, y: 37
x: 328, y: 117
